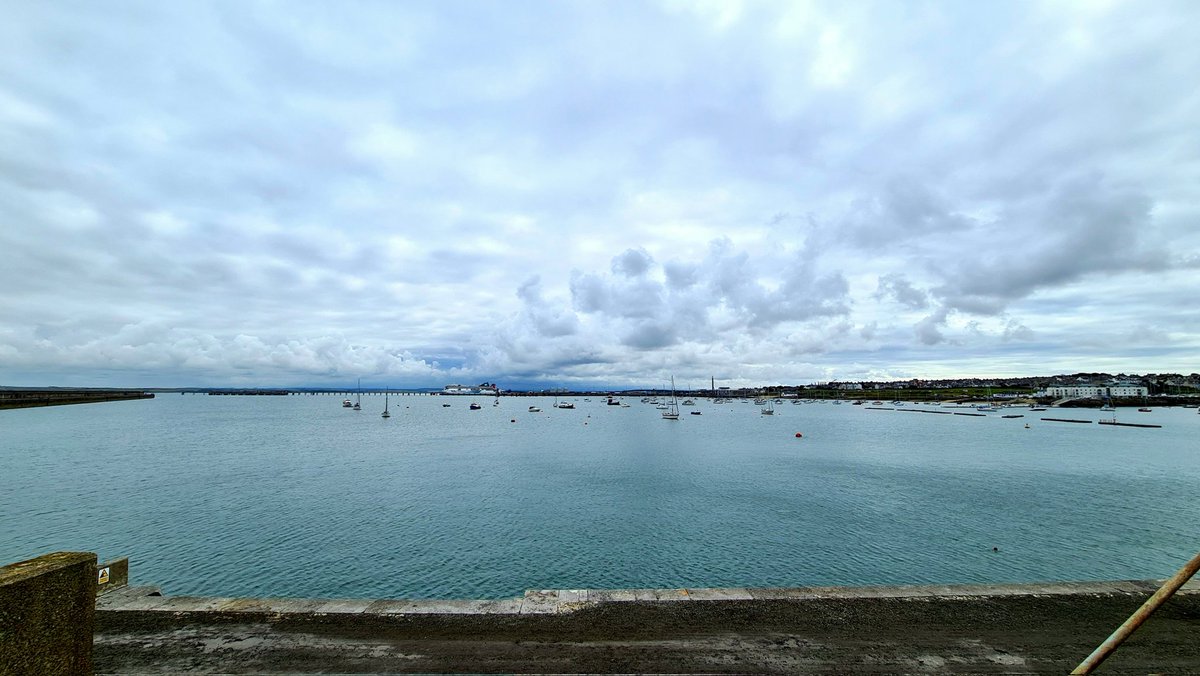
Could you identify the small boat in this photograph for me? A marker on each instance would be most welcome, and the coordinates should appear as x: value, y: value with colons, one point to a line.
x: 566, y: 404
x: 346, y: 403
x: 1143, y: 410
x: 694, y: 412
x: 768, y: 409
x: 1012, y: 416
x: 534, y: 409
x: 358, y: 397
x: 688, y: 402
x: 672, y: 413
x: 613, y: 402
x: 385, y: 413
x: 474, y: 406
x: 445, y: 405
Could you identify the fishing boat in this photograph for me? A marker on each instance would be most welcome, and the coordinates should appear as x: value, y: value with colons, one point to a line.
x: 672, y: 412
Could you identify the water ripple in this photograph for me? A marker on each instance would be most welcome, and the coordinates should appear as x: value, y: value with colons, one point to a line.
x: 299, y: 497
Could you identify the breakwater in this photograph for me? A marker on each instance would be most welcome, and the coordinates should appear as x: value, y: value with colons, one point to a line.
x: 22, y: 398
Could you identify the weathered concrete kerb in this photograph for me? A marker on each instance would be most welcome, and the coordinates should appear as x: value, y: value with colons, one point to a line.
x: 954, y: 629
x: 47, y: 610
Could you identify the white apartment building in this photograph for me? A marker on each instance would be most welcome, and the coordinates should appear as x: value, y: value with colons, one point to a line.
x: 1096, y: 391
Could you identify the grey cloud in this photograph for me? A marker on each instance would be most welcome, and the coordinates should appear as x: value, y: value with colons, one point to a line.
x: 897, y: 287
x: 1014, y: 330
x: 681, y: 275
x: 929, y: 329
x: 546, y: 319
x: 904, y: 209
x: 659, y: 314
x: 650, y: 335
x: 1082, y: 227
x: 632, y: 263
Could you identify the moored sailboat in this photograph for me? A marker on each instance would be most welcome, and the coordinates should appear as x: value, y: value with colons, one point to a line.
x: 672, y: 412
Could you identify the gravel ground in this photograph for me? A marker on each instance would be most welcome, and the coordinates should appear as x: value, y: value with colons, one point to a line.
x: 1013, y: 634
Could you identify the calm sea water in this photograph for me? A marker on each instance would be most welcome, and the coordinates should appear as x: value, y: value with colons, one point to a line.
x: 296, y: 496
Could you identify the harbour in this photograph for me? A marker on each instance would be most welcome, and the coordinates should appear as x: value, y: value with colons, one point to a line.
x: 298, y: 497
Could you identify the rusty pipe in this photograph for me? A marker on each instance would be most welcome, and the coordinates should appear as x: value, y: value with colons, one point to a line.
x: 1139, y: 616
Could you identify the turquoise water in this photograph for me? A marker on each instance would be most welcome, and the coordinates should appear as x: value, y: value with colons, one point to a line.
x: 296, y: 496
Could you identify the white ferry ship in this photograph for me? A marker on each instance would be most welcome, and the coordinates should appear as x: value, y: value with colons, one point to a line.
x: 488, y: 389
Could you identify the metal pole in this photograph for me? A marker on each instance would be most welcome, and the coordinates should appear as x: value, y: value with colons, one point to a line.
x: 1135, y: 620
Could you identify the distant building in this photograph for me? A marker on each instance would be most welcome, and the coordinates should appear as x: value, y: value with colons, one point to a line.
x: 1094, y: 391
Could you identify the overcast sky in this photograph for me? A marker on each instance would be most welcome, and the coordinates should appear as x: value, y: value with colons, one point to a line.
x: 604, y: 193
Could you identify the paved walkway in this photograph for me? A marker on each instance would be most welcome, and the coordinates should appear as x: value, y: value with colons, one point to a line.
x: 986, y: 629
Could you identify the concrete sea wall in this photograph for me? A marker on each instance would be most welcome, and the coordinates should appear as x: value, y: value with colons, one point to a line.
x: 939, y: 629
x: 47, y: 614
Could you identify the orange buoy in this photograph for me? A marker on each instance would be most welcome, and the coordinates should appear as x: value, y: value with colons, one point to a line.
x: 798, y: 435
